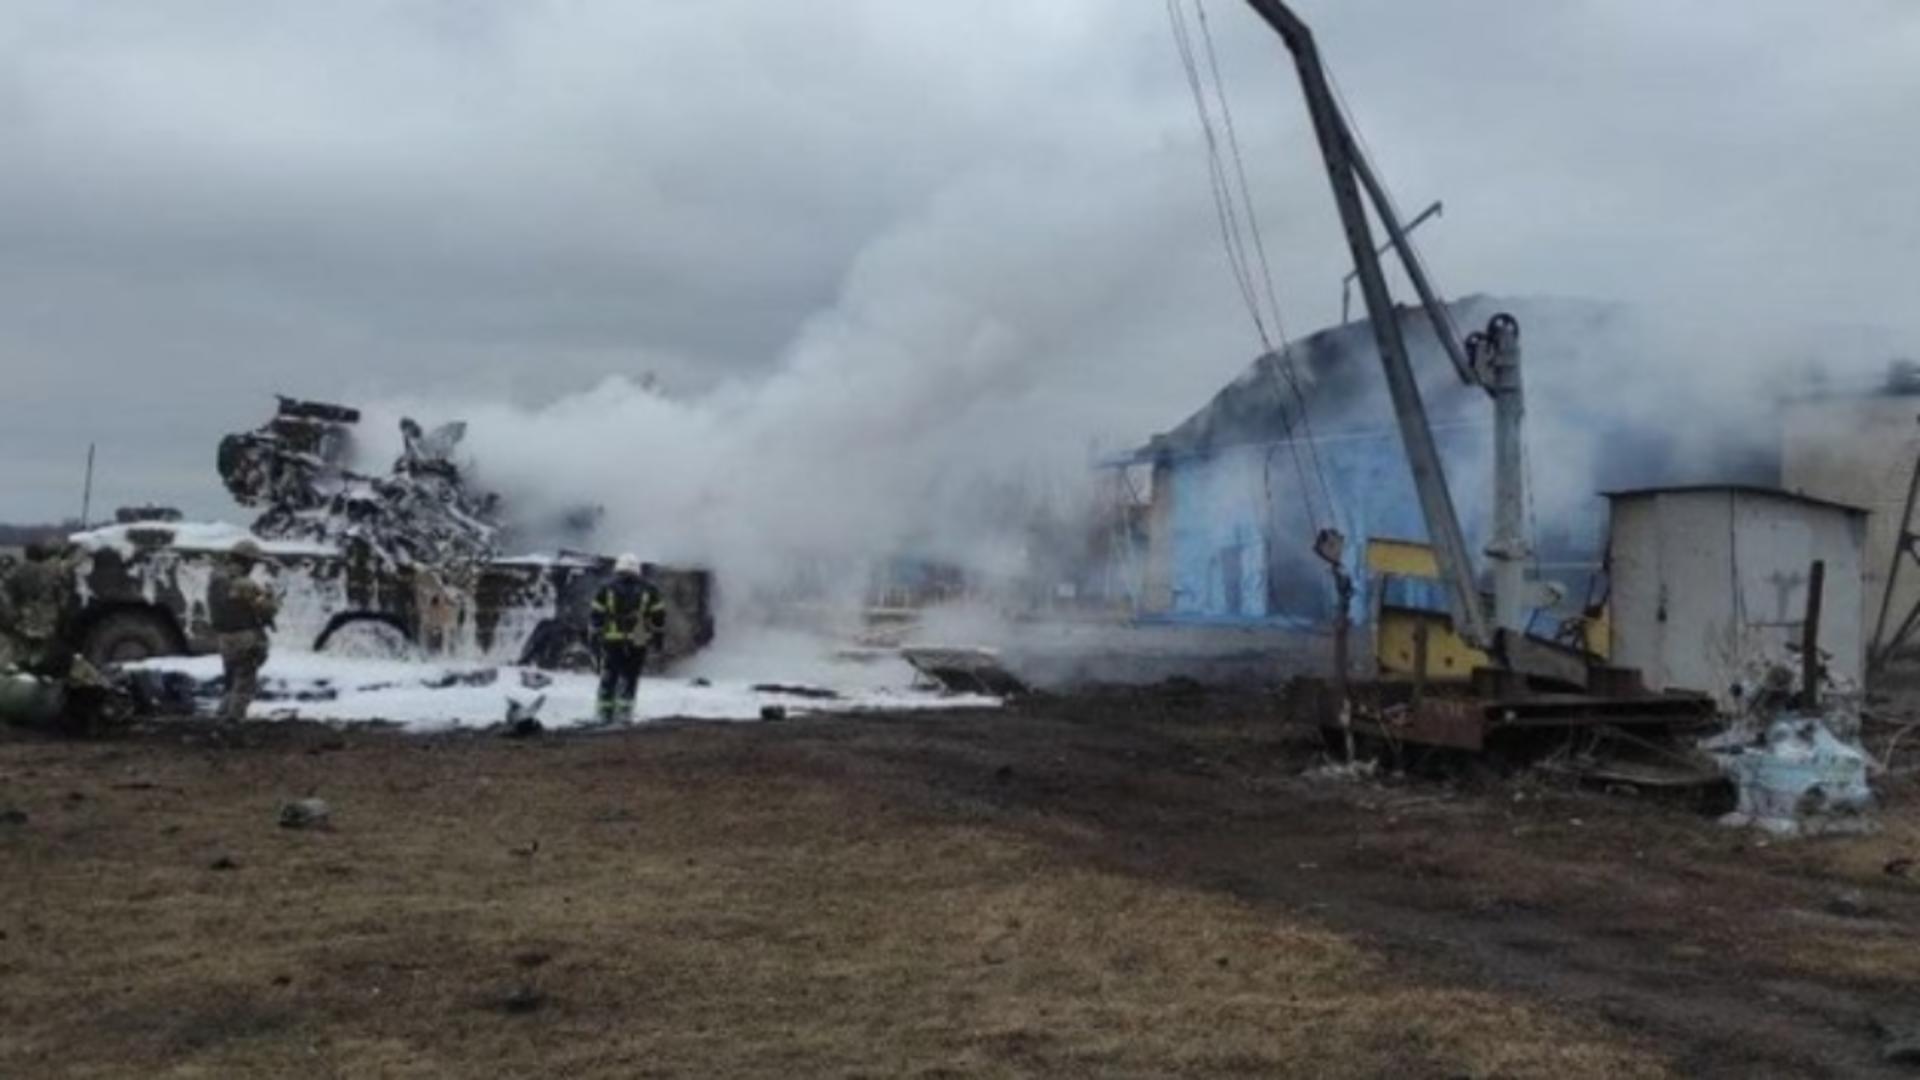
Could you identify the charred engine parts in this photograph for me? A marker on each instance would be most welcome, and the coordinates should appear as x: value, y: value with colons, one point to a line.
x: 296, y: 467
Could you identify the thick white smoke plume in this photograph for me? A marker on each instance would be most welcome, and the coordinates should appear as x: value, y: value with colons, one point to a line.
x: 950, y: 400
x: 950, y: 396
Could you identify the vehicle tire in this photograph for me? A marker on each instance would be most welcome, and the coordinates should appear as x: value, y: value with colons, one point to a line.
x: 125, y: 636
x: 573, y: 655
x: 556, y: 647
x: 366, y: 637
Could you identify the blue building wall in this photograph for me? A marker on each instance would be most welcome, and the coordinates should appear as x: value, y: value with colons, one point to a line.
x: 1242, y: 534
x: 1235, y: 529
x: 1219, y: 550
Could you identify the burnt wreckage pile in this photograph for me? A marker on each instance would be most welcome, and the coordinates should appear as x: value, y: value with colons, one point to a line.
x: 421, y: 513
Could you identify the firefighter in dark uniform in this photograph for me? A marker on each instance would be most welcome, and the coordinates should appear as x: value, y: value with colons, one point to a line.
x: 627, y: 617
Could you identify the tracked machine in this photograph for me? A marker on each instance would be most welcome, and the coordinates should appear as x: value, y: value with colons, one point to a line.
x: 1501, y: 688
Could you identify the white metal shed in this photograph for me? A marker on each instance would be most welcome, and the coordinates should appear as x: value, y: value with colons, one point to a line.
x: 1707, y: 580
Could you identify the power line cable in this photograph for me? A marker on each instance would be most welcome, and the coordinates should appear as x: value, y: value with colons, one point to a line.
x: 1216, y: 174
x: 1285, y: 353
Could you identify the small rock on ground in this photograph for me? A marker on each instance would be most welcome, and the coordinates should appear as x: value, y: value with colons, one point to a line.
x: 306, y: 814
x: 1851, y: 903
x: 522, y: 999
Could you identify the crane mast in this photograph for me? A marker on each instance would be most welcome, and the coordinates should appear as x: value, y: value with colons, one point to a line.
x: 1490, y: 360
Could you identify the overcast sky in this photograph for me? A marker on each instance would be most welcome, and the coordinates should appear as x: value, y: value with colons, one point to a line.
x: 205, y: 202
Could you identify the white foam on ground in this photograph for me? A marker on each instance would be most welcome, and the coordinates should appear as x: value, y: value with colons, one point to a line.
x: 395, y: 691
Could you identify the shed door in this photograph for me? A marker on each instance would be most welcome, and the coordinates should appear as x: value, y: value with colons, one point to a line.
x: 1696, y: 626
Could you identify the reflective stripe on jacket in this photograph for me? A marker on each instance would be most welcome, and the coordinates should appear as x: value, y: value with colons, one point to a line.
x: 627, y: 609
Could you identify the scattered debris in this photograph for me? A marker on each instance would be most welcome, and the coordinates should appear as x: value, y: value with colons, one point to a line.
x: 1798, y: 779
x: 306, y: 814
x: 523, y: 718
x: 449, y: 679
x: 1798, y: 771
x: 1900, y: 1042
x: 1363, y: 769
x: 534, y: 680
x: 521, y: 1000
x: 162, y: 693
x: 436, y: 697
x: 1851, y: 904
x: 965, y: 671
x: 814, y: 692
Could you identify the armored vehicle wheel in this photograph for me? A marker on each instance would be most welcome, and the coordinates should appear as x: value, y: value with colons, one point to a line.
x: 125, y: 636
x: 555, y: 646
x: 366, y: 638
x: 572, y: 656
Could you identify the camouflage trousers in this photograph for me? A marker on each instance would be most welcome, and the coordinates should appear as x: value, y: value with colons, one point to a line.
x: 241, y: 655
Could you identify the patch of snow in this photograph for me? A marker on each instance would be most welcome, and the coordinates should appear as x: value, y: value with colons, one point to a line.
x: 401, y: 693
x: 542, y: 559
x: 762, y: 655
x: 193, y: 536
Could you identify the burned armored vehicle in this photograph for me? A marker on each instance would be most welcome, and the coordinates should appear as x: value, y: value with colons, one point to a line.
x: 401, y: 565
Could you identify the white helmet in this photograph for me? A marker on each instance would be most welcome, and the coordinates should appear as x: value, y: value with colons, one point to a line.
x: 628, y: 563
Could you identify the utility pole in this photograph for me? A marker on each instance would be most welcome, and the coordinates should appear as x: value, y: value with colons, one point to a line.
x: 1496, y: 359
x: 1347, y: 170
x: 86, y: 494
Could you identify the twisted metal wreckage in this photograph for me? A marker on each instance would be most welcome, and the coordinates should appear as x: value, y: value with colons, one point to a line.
x: 408, y: 563
x: 419, y: 514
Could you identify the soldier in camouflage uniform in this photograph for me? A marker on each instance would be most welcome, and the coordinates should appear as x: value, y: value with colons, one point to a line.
x: 242, y: 611
x: 36, y: 616
x: 35, y: 601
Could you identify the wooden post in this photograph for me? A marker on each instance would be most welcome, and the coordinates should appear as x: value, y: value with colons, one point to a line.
x: 1810, y: 638
x: 86, y: 494
x: 1342, y: 625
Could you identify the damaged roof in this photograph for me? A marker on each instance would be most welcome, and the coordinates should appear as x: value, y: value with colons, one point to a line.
x: 1573, y: 347
x: 1763, y: 490
x: 1333, y: 369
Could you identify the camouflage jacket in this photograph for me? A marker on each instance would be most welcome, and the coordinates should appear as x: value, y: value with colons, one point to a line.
x: 34, y: 600
x: 237, y: 603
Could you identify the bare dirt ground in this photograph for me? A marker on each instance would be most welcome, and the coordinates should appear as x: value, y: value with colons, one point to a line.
x: 1111, y: 885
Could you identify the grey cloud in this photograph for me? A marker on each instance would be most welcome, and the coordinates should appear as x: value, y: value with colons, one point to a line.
x: 209, y: 201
